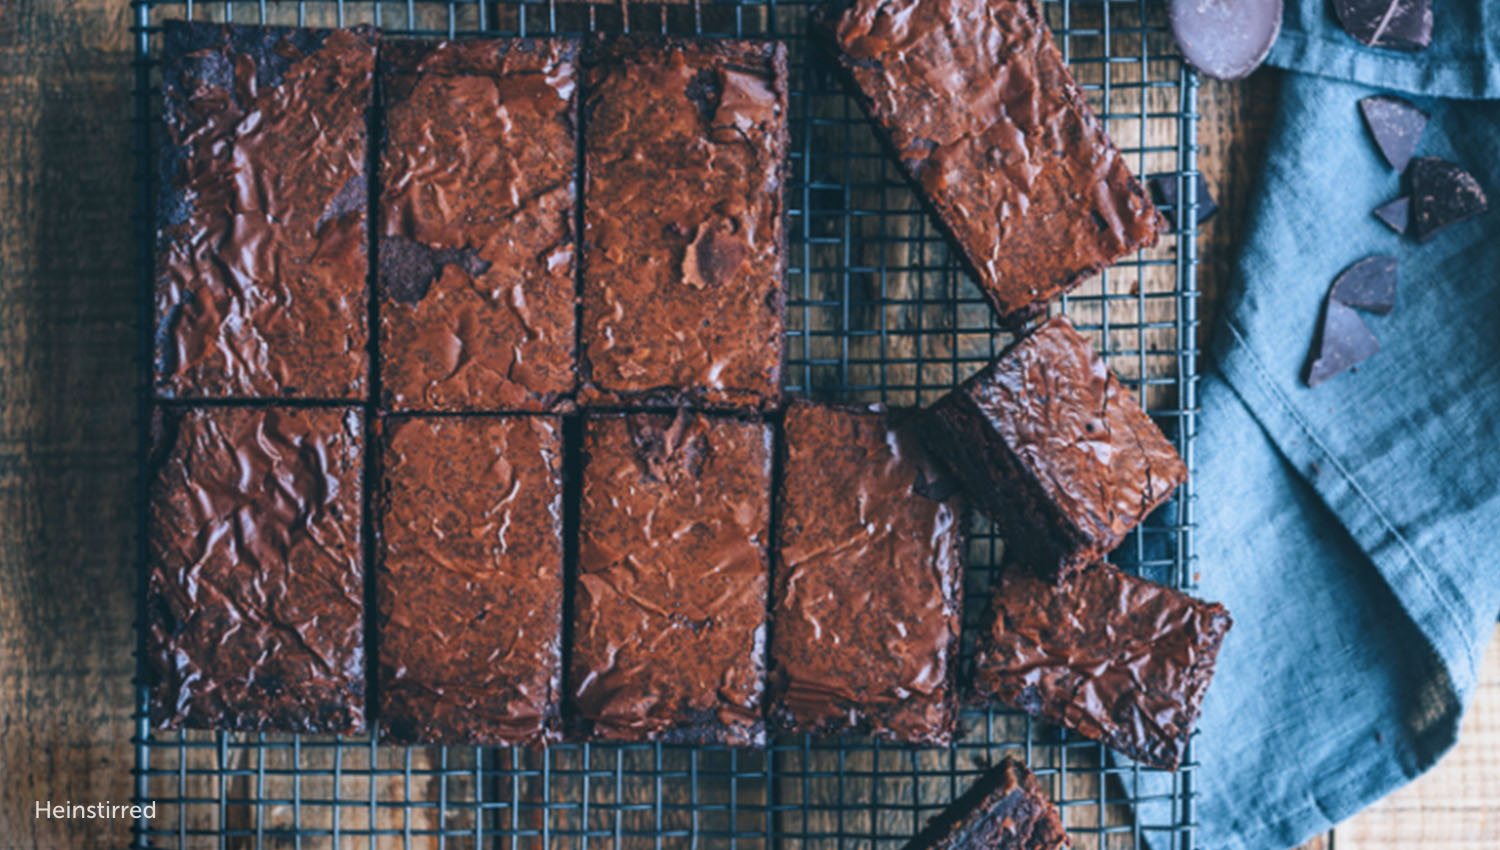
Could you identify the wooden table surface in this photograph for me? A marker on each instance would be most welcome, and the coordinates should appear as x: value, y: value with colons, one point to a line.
x: 67, y: 331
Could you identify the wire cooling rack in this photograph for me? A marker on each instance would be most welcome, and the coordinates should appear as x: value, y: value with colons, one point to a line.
x: 878, y: 310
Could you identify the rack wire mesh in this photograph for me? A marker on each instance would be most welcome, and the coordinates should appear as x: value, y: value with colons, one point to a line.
x: 878, y: 310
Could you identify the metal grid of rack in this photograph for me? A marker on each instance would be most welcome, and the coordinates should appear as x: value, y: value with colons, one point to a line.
x: 878, y: 310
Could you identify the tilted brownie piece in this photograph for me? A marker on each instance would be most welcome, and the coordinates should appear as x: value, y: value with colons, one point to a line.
x: 868, y: 580
x: 255, y: 605
x: 1113, y: 657
x: 684, y: 244
x: 1005, y: 809
x: 477, y: 290
x: 977, y: 105
x: 1051, y: 446
x: 670, y: 607
x: 261, y: 243
x: 470, y: 580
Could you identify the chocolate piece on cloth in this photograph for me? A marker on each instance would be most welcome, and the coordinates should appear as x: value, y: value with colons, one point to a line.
x: 477, y: 206
x: 1442, y: 194
x: 684, y: 258
x: 1399, y: 24
x: 976, y: 104
x: 1050, y: 445
x: 1344, y: 341
x: 1116, y: 658
x: 1164, y: 192
x: 1396, y: 124
x: 469, y: 579
x: 1226, y: 39
x: 1369, y: 285
x: 1005, y: 809
x: 1395, y: 214
x: 255, y: 593
x: 261, y: 269
x: 868, y: 580
x: 669, y: 622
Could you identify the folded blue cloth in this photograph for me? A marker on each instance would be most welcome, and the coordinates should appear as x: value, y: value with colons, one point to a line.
x: 1350, y: 528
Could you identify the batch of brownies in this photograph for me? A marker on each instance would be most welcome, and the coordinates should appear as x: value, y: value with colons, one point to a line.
x: 469, y: 362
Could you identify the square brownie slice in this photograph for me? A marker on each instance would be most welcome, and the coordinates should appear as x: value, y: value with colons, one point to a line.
x: 868, y: 588
x: 1049, y: 444
x: 1115, y: 658
x: 684, y: 245
x: 477, y: 289
x: 1005, y: 809
x: 469, y: 580
x: 976, y: 104
x: 261, y: 242
x: 255, y: 594
x: 670, y: 607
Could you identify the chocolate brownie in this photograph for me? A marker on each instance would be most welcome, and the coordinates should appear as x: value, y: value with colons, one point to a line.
x: 470, y: 579
x: 1055, y: 450
x: 1113, y: 657
x: 255, y: 605
x: 261, y: 256
x: 977, y: 105
x: 477, y: 289
x: 868, y: 580
x: 670, y: 608
x: 684, y: 245
x: 1005, y: 809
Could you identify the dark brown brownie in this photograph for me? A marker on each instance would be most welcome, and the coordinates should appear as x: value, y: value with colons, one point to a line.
x: 470, y: 580
x: 978, y: 106
x: 1113, y: 657
x: 1050, y: 445
x: 255, y: 608
x: 477, y: 290
x: 670, y: 620
x: 868, y: 580
x: 684, y: 243
x: 1005, y: 809
x: 261, y: 261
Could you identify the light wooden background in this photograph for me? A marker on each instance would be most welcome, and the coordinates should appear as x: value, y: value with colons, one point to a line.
x: 66, y: 382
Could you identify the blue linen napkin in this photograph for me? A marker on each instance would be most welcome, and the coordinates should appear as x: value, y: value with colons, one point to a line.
x: 1351, y: 529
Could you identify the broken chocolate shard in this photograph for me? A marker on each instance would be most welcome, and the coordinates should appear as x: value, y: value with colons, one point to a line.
x: 1369, y: 284
x: 1395, y: 214
x: 1343, y: 342
x: 1442, y: 194
x: 1164, y: 192
x: 1396, y: 125
x: 1398, y: 24
x: 1225, y: 39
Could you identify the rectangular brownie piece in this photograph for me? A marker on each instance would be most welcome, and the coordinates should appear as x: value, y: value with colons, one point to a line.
x: 1049, y: 444
x: 868, y: 580
x: 1005, y: 809
x: 256, y: 598
x: 977, y: 105
x: 477, y: 290
x: 261, y: 255
x: 1116, y: 658
x: 684, y: 244
x: 470, y: 579
x: 670, y: 608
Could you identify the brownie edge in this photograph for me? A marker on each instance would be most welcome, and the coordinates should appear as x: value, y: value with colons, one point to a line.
x: 1005, y: 809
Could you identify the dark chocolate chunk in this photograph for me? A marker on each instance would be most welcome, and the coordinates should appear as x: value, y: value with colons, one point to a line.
x: 1395, y: 214
x: 1442, y: 193
x: 1226, y: 39
x: 1343, y: 342
x: 1005, y: 809
x: 1396, y: 124
x: 1164, y: 192
x: 1369, y: 284
x: 1399, y: 24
